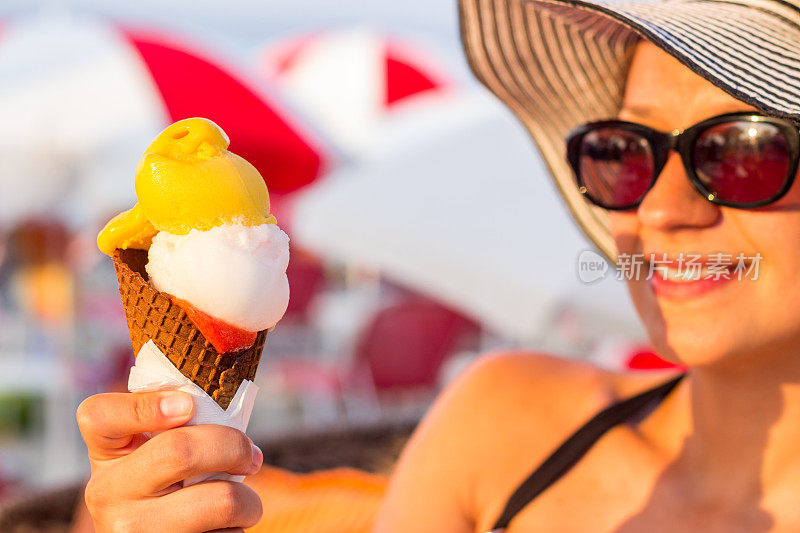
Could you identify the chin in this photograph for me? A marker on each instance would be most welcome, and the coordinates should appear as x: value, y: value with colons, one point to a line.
x: 691, y: 340
x: 721, y: 343
x: 688, y: 349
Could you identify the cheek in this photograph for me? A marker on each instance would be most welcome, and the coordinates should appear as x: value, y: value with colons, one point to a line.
x: 776, y: 237
x: 624, y: 227
x: 773, y: 232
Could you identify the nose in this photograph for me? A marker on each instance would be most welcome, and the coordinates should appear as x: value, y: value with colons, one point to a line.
x: 674, y: 203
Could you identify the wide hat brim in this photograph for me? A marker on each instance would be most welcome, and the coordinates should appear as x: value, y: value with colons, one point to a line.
x: 558, y: 64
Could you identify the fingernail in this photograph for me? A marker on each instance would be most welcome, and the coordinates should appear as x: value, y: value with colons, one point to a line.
x: 175, y: 405
x: 258, y: 458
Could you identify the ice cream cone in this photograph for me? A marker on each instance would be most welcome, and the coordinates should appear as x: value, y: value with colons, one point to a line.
x: 151, y: 315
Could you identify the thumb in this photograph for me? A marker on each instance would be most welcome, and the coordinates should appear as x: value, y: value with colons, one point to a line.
x: 109, y: 422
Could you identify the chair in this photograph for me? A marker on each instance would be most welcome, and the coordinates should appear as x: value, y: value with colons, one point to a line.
x: 404, y: 345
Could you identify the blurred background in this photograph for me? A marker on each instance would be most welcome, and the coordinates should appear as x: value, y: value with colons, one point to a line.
x: 424, y: 230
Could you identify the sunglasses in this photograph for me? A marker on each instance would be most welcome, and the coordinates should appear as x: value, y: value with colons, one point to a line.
x: 741, y: 160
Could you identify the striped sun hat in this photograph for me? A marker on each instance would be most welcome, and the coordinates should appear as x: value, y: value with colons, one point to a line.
x: 560, y: 63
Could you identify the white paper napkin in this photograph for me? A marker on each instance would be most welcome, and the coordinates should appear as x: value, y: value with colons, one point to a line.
x: 153, y: 372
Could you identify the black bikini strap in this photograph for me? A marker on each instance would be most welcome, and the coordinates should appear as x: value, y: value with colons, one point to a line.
x: 576, y: 446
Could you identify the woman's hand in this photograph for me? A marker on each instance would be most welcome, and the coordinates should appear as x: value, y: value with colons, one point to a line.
x: 135, y: 483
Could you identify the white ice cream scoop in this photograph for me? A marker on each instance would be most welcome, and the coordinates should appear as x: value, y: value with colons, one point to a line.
x: 235, y: 273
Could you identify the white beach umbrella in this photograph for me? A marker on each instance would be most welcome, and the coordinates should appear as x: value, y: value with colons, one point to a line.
x: 457, y: 204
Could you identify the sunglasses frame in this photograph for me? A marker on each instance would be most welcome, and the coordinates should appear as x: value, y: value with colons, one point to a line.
x: 682, y: 141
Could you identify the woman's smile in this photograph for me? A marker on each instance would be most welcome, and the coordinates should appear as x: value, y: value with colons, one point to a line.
x: 673, y: 284
x: 682, y: 279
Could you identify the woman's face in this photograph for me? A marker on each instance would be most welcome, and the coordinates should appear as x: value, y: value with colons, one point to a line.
x: 697, y: 322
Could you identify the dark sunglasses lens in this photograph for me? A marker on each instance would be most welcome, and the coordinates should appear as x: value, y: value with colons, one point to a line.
x: 616, y: 166
x: 743, y: 161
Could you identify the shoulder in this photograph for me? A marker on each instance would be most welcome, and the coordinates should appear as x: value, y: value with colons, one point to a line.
x: 531, y: 374
x: 536, y: 396
x: 515, y: 393
x: 545, y: 379
x: 480, y: 435
x: 488, y: 427
x: 507, y: 412
x: 487, y: 430
x: 509, y: 397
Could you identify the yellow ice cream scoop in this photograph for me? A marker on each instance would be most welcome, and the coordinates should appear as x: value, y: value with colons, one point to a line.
x: 187, y: 179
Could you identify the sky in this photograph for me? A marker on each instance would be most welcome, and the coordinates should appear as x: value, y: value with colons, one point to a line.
x: 253, y: 22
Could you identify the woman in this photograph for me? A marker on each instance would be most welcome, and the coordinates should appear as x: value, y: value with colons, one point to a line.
x: 528, y: 442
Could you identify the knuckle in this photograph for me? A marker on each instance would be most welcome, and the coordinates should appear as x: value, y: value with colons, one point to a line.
x: 256, y: 509
x: 94, y: 496
x: 230, y: 504
x: 145, y: 409
x: 108, y: 513
x: 239, y: 505
x: 179, y: 451
x: 244, y: 448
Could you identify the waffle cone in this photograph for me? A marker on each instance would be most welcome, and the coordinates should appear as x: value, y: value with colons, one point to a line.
x: 151, y: 315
